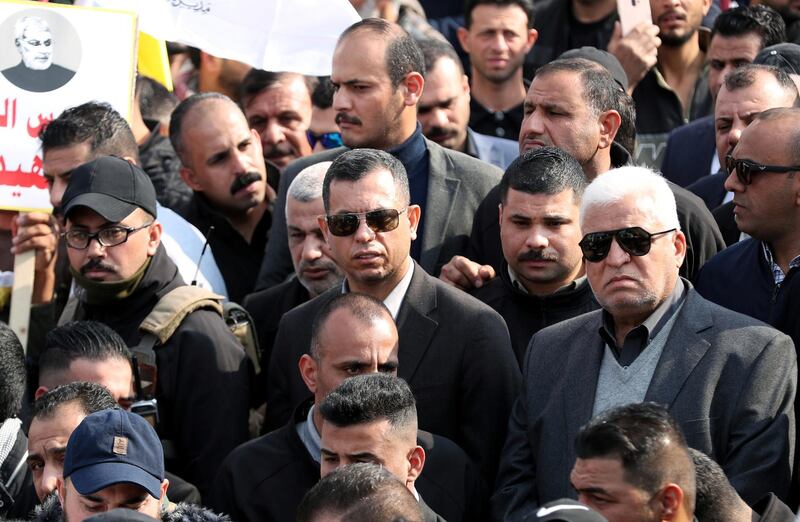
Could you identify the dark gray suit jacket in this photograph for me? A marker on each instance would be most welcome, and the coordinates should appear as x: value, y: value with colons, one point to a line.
x: 455, y: 354
x: 728, y: 380
x: 457, y: 184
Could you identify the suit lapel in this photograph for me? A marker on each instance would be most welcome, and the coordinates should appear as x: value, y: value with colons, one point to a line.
x: 442, y: 192
x: 414, y: 326
x: 583, y: 370
x: 682, y: 352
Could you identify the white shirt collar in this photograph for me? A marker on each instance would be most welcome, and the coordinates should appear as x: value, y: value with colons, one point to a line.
x: 395, y: 298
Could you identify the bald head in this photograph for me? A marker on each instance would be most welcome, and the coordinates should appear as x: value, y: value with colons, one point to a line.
x: 199, y: 104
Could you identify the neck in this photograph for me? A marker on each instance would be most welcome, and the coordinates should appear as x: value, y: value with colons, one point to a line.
x: 245, y: 224
x: 381, y: 289
x: 784, y: 250
x: 407, y: 128
x: 140, y: 130
x: 590, y: 12
x: 316, y: 417
x: 599, y: 164
x: 545, y: 289
x: 498, y: 96
x: 677, y: 63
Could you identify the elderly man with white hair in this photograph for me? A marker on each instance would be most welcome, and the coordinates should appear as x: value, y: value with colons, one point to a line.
x: 35, y: 44
x: 728, y: 380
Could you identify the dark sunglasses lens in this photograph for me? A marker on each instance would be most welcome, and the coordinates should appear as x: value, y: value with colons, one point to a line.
x: 383, y: 220
x: 343, y: 224
x: 331, y: 140
x: 595, y: 246
x: 634, y: 241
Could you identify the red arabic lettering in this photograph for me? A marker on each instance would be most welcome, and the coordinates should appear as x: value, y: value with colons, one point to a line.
x: 21, y: 178
x: 36, y: 128
x: 4, y: 116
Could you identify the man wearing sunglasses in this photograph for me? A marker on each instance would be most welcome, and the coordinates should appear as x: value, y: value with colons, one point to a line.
x: 751, y: 276
x: 201, y: 377
x: 454, y: 350
x: 727, y: 379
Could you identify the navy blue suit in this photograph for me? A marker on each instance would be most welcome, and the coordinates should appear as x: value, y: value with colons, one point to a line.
x: 690, y: 151
x: 711, y: 189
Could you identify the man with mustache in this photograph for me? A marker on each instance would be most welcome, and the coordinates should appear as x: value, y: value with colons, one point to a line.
x: 444, y: 108
x: 224, y: 166
x: 36, y: 71
x: 377, y: 72
x: 542, y: 279
x: 278, y: 107
x: 198, y: 375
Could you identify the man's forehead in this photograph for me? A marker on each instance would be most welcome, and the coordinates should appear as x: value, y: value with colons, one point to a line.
x: 564, y: 200
x: 729, y: 46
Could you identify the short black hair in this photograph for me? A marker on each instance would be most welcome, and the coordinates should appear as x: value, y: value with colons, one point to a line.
x: 745, y: 76
x: 363, y: 307
x: 433, y: 49
x: 792, y: 113
x: 545, y: 170
x: 525, y: 5
x: 180, y: 113
x: 761, y: 20
x: 322, y: 97
x: 12, y: 373
x: 90, y: 396
x: 361, y: 492
x: 369, y: 398
x: 403, y: 55
x: 156, y: 103
x: 257, y: 80
x: 90, y: 340
x: 599, y: 87
x: 626, y: 134
x: 356, y: 164
x: 716, y: 500
x: 95, y: 123
x: 648, y: 443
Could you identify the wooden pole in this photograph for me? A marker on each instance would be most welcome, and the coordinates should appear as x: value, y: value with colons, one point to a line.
x: 21, y: 292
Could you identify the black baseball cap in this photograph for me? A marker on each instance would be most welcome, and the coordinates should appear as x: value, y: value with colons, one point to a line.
x: 120, y: 515
x: 784, y: 56
x: 604, y: 58
x: 110, y: 186
x: 114, y: 447
x: 566, y: 510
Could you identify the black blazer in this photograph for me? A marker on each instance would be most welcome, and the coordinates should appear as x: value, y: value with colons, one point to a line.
x: 690, y: 151
x: 711, y: 189
x: 455, y: 353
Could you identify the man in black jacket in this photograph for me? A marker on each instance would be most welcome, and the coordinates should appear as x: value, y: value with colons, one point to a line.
x: 542, y: 279
x: 122, y: 273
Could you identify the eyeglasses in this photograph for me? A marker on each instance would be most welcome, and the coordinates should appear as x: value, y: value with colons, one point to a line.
x: 329, y: 140
x: 746, y: 168
x: 634, y: 240
x: 107, y: 237
x: 383, y: 220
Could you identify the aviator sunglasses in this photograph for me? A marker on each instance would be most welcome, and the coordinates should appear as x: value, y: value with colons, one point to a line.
x: 634, y: 240
x: 746, y: 168
x: 382, y: 220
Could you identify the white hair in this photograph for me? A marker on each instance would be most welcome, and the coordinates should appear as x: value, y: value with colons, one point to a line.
x: 29, y: 21
x: 307, y: 185
x: 650, y: 190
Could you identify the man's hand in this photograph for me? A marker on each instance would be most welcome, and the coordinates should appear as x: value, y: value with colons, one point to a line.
x: 38, y: 231
x: 466, y: 274
x: 637, y: 52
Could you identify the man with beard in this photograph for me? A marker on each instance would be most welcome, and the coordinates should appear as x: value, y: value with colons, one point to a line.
x: 36, y: 71
x: 224, y: 166
x: 444, y: 110
x: 315, y: 269
x: 675, y: 91
x: 278, y: 107
x: 198, y: 370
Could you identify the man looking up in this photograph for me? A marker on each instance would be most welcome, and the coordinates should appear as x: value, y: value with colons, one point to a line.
x: 542, y: 280
x: 278, y: 108
x: 224, y: 166
x: 633, y: 464
x: 122, y: 273
x: 497, y: 34
x: 444, y: 108
x: 454, y: 350
x: 377, y: 72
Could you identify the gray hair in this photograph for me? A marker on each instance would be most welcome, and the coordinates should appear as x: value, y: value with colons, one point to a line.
x: 29, y: 21
x: 648, y: 187
x: 307, y: 186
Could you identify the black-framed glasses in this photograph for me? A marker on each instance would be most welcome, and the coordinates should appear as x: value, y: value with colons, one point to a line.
x: 383, y: 220
x: 746, y: 168
x: 107, y: 237
x: 329, y: 140
x: 634, y: 240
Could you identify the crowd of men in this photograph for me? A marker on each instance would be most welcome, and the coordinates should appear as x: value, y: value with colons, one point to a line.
x: 510, y: 264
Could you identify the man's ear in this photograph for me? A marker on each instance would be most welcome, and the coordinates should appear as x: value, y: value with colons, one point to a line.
x: 188, y: 176
x: 61, y: 489
x: 609, y: 122
x: 416, y: 461
x: 462, y: 33
x: 669, y: 501
x: 533, y: 35
x: 308, y: 371
x: 156, y: 229
x: 500, y: 214
x: 323, y: 226
x: 414, y: 214
x: 413, y: 83
x: 41, y: 390
x: 680, y: 247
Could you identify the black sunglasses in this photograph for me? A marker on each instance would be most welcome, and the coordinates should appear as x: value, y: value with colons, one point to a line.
x: 746, y: 168
x: 329, y: 140
x: 634, y: 240
x: 383, y: 220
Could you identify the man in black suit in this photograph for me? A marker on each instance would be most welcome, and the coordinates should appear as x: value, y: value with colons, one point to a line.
x: 264, y: 479
x: 36, y: 71
x: 455, y: 351
x: 728, y: 380
x: 378, y: 73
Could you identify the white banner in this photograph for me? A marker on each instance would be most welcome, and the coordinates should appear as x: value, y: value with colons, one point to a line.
x: 274, y: 35
x: 53, y: 57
